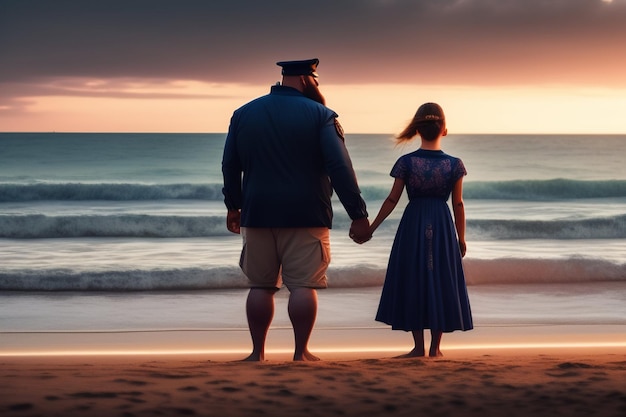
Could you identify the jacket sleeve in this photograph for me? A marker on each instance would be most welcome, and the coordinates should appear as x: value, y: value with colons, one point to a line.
x: 231, y: 170
x: 339, y: 168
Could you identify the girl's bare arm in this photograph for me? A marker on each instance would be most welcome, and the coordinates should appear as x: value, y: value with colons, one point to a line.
x: 459, y: 214
x: 389, y: 204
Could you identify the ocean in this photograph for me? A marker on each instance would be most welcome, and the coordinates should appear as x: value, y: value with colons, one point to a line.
x: 117, y: 231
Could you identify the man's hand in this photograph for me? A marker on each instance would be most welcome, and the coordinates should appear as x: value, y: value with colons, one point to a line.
x: 233, y: 221
x: 360, y: 230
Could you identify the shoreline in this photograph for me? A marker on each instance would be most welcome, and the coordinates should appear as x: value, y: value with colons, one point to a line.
x: 325, y: 341
x: 508, y: 369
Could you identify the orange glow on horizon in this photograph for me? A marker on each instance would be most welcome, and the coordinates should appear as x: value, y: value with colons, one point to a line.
x: 195, y: 107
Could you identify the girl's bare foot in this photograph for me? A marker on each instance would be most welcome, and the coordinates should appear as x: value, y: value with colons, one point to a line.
x: 306, y: 356
x: 435, y: 354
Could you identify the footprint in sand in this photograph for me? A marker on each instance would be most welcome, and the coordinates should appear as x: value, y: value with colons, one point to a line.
x: 20, y: 407
x: 130, y: 382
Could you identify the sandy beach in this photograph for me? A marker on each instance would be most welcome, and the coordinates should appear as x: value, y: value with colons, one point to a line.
x: 520, y: 360
x: 525, y: 371
x: 579, y: 382
x: 542, y: 366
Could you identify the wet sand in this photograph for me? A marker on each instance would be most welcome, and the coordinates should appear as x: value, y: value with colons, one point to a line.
x: 534, y: 371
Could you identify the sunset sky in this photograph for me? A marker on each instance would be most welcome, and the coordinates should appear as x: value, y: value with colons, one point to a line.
x: 496, y: 66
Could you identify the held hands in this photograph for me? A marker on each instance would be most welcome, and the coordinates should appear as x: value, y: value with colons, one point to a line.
x: 360, y: 230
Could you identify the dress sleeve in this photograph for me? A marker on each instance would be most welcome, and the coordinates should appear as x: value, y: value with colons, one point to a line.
x: 399, y: 169
x: 459, y: 170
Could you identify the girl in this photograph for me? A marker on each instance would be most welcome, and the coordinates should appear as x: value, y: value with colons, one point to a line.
x: 425, y: 285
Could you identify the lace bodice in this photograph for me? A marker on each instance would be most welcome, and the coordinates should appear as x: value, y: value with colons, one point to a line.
x: 428, y: 173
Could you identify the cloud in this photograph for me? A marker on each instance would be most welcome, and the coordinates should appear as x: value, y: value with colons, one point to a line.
x: 109, y: 88
x: 17, y: 98
x: 485, y: 42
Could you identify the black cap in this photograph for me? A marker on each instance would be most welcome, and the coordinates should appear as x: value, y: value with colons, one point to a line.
x: 304, y: 67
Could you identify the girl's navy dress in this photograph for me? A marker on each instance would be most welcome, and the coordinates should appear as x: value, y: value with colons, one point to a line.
x: 425, y: 285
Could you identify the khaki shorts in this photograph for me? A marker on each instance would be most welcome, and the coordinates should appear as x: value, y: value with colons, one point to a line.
x: 297, y: 257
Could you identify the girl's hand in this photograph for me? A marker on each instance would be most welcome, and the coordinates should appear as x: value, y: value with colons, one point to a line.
x: 462, y: 247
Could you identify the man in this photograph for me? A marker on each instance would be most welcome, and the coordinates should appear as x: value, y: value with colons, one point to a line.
x: 290, y: 149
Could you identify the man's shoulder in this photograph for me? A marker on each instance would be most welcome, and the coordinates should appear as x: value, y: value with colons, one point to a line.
x: 254, y: 101
x: 276, y: 91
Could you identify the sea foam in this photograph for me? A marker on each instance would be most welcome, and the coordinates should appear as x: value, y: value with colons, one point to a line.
x: 478, y: 272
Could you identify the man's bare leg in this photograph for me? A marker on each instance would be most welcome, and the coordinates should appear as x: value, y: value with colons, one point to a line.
x: 260, y: 312
x: 302, y: 313
x: 418, y: 350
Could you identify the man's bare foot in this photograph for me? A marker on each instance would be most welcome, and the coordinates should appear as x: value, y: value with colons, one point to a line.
x: 415, y: 353
x: 306, y: 356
